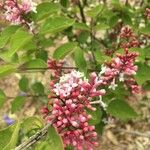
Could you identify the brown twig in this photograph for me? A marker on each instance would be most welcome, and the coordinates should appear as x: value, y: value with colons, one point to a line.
x: 33, y: 139
x: 92, y: 39
x: 85, y: 2
x: 81, y: 11
x: 47, y: 68
x: 39, y: 135
x: 11, y: 97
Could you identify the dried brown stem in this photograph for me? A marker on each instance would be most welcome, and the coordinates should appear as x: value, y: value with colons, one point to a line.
x: 33, y: 139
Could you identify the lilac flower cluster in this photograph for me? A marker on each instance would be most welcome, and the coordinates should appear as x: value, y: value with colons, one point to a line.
x: 72, y: 94
x: 129, y: 38
x: 123, y: 66
x: 14, y: 12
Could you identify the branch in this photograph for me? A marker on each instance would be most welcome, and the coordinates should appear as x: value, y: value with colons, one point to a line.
x: 85, y: 2
x: 81, y: 11
x: 33, y: 139
x: 101, y: 41
x: 141, y: 3
x: 92, y: 38
x: 36, y: 137
x: 47, y: 68
x: 22, y: 69
x: 39, y: 135
x: 126, y: 2
x: 11, y: 97
x: 26, y: 95
x: 95, y: 102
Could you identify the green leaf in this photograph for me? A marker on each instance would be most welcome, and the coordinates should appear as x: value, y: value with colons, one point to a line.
x: 95, y: 11
x: 38, y: 88
x: 2, y: 98
x: 63, y: 50
x: 126, y: 18
x: 115, y: 1
x: 45, y: 42
x: 30, y: 46
x: 36, y: 63
x: 120, y: 92
x: 146, y: 52
x: 100, y: 57
x: 113, y: 20
x: 79, y: 59
x: 31, y: 123
x: 45, y: 9
x: 54, y: 139
x: 99, y: 128
x: 146, y: 86
x: 6, y: 34
x: 69, y: 147
x: 84, y: 35
x: 64, y: 3
x: 18, y: 41
x: 143, y: 73
x: 55, y: 25
x: 3, y: 56
x: 101, y: 26
x: 146, y: 30
x: 6, y: 70
x: 81, y: 26
x: 43, y: 146
x: 42, y: 55
x: 142, y: 53
x: 96, y: 116
x: 9, y: 137
x: 24, y: 84
x: 17, y: 103
x: 121, y: 110
x: 5, y: 136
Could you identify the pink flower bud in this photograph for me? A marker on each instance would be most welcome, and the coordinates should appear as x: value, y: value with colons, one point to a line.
x: 74, y: 143
x: 74, y: 123
x: 82, y: 119
x: 59, y: 123
x: 69, y: 101
x: 65, y: 120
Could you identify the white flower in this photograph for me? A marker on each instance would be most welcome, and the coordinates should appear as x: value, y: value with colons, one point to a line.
x: 28, y: 5
x: 32, y: 26
x: 113, y: 85
x: 121, y: 77
x: 104, y: 105
x: 68, y: 82
x: 103, y: 69
x: 108, y: 120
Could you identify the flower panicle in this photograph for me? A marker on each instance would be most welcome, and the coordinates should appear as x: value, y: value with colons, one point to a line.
x: 130, y: 40
x: 15, y: 12
x: 123, y: 66
x: 72, y: 96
